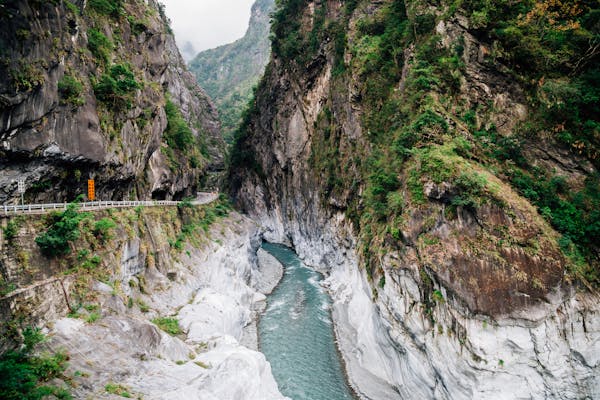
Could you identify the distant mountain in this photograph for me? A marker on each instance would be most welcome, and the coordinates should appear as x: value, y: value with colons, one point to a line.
x: 229, y: 72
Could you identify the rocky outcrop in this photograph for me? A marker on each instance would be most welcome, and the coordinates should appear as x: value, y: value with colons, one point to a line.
x: 61, y: 121
x: 459, y: 302
x: 269, y: 272
x: 205, y: 287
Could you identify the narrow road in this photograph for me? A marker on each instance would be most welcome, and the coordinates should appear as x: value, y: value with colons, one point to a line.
x: 9, y: 210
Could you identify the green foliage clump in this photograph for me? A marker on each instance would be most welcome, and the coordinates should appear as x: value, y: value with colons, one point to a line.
x: 574, y: 213
x: 285, y: 28
x: 571, y: 109
x: 199, y: 218
x: 178, y: 134
x: 11, y: 230
x: 72, y: 7
x: 25, y: 374
x: 102, y: 229
x: 113, y: 8
x: 63, y: 229
x: 27, y: 77
x: 119, y: 390
x: 117, y: 87
x: 70, y: 90
x: 551, y: 47
x: 168, y: 324
x: 241, y: 156
x: 99, y: 45
x: 180, y: 139
x: 293, y: 45
x: 6, y: 288
x: 382, y: 181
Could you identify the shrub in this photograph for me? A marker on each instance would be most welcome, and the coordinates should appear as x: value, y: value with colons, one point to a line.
x: 178, y: 134
x: 99, y: 45
x: 102, y: 229
x: 70, y: 90
x: 24, y: 374
x: 6, y: 288
x: 11, y: 230
x: 117, y: 87
x: 92, y: 317
x: 111, y: 8
x: 64, y: 228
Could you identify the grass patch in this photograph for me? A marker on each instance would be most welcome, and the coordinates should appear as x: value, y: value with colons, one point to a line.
x: 117, y: 389
x: 168, y: 324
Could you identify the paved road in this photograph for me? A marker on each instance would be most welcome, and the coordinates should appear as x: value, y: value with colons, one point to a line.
x: 8, y: 210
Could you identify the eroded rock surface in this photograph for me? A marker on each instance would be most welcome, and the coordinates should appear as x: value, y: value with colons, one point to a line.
x: 56, y: 131
x: 460, y: 302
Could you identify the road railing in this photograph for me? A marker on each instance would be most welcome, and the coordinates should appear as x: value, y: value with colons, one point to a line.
x: 12, y: 209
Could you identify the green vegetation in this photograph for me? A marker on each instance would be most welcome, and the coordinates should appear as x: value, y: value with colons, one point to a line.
x: 198, y: 219
x: 294, y: 45
x: 11, y: 230
x: 112, y: 8
x: 574, y: 213
x: 119, y: 390
x: 72, y: 7
x: 27, y: 76
x: 99, y: 45
x: 92, y: 317
x: 62, y: 231
x: 168, y: 324
x: 102, y: 229
x: 117, y: 87
x: 180, y: 139
x: 26, y: 374
x: 70, y: 90
x: 178, y: 134
x: 6, y: 288
x: 201, y: 364
x: 143, y: 306
x: 419, y: 129
x: 229, y: 73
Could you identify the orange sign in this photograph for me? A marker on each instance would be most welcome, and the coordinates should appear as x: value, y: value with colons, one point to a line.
x: 91, y: 191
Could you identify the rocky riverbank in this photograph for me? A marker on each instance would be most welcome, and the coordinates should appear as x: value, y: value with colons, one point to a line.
x: 213, y: 302
x: 211, y: 291
x: 393, y: 348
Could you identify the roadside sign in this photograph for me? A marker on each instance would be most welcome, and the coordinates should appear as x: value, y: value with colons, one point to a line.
x: 21, y: 185
x: 91, y: 190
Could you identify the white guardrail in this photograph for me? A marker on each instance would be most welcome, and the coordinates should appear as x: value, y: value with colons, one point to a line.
x: 95, y: 205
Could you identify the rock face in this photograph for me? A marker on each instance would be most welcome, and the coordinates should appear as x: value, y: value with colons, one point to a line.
x: 204, y: 287
x: 66, y: 113
x: 459, y: 297
x: 229, y: 72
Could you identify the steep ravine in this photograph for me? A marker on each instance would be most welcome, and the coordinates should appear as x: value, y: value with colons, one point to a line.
x: 441, y: 316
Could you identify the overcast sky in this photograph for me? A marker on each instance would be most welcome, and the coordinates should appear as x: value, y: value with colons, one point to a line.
x: 204, y: 24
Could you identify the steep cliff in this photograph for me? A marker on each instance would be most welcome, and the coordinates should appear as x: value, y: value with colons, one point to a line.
x: 97, y: 89
x: 229, y: 72
x: 440, y: 162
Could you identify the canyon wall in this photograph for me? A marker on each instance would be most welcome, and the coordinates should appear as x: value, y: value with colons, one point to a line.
x: 388, y: 145
x: 98, y: 90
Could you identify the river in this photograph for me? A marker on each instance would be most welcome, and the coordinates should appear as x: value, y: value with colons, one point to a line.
x: 296, y: 334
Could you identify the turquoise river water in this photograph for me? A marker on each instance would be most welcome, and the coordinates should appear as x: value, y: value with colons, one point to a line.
x: 296, y: 334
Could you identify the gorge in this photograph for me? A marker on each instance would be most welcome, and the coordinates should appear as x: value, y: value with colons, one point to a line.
x: 437, y: 162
